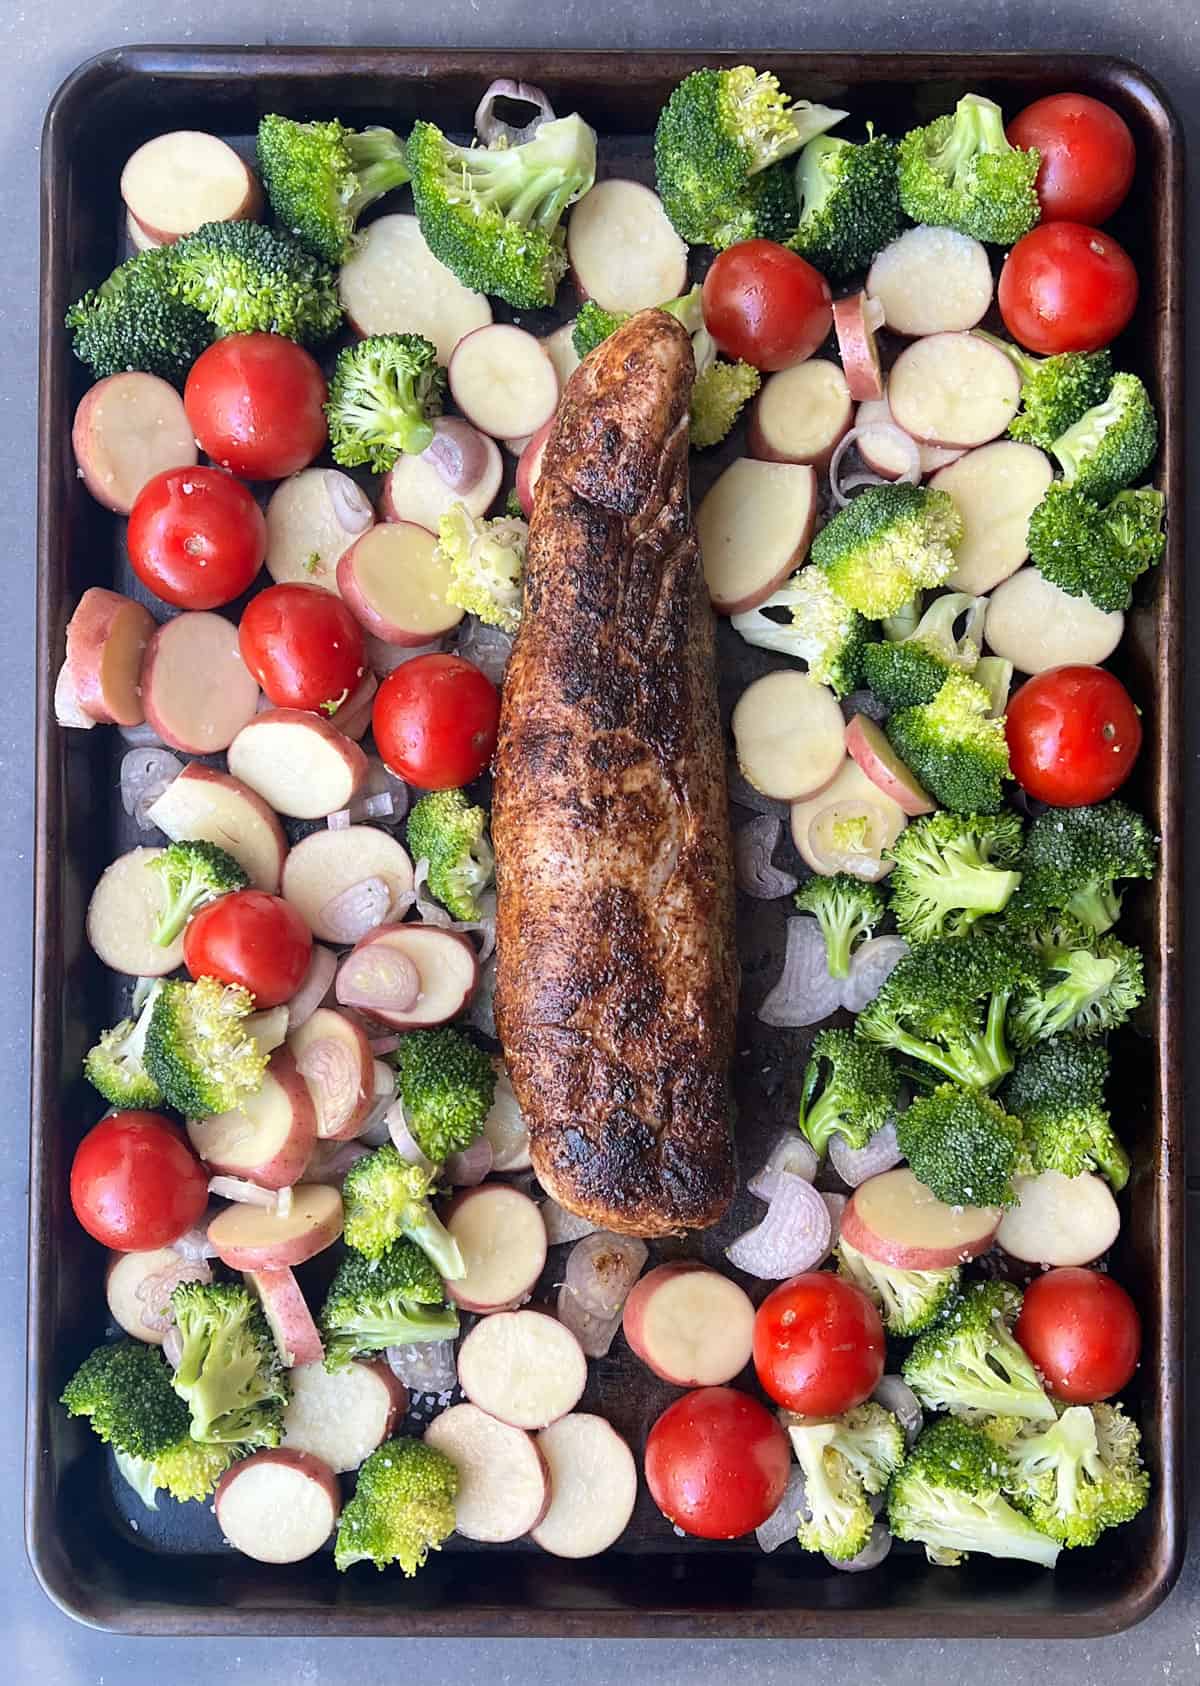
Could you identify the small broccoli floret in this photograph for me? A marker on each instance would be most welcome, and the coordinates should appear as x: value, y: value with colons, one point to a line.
x: 134, y: 321
x: 593, y: 326
x: 199, y: 1050
x: 229, y: 1375
x: 1093, y: 550
x: 116, y: 1065
x: 908, y: 1300
x: 820, y: 629
x: 321, y: 177
x: 960, y: 172
x: 1055, y: 391
x: 383, y: 392
x: 949, y: 1496
x: 955, y: 746
x: 1057, y: 1091
x: 850, y: 1089
x: 393, y: 1300
x: 911, y: 670
x: 962, y: 1145
x: 402, y: 1509
x: 837, y: 1520
x: 718, y: 397
x: 970, y: 1361
x: 445, y: 830
x: 447, y: 1086
x: 1112, y: 444
x: 1073, y: 858
x: 247, y: 279
x: 847, y: 910
x: 194, y: 873
x: 849, y: 203
x: 951, y: 870
x: 487, y: 564
x: 1075, y: 1477
x: 493, y: 214
x: 1089, y: 985
x: 891, y: 541
x: 385, y: 1197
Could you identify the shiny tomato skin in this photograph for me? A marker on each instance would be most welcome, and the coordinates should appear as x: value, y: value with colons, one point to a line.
x: 303, y: 645
x: 196, y: 537
x: 255, y: 403
x: 1067, y: 287
x: 717, y: 1463
x: 1088, y: 156
x: 1073, y: 735
x: 818, y: 1344
x: 253, y: 939
x: 1082, y: 1331
x: 435, y: 721
x: 766, y: 305
x: 135, y: 1182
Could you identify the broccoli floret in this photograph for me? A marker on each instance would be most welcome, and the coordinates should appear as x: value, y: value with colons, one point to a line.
x: 945, y: 1004
x: 718, y: 136
x: 849, y: 203
x: 955, y: 746
x: 116, y: 1065
x: 493, y: 214
x: 486, y: 560
x: 385, y: 1197
x: 247, y: 279
x: 134, y: 321
x: 844, y: 1459
x: 445, y: 830
x: 847, y: 910
x: 1073, y: 858
x: 321, y: 177
x: 850, y: 1089
x: 960, y: 172
x: 719, y: 395
x: 383, y: 392
x: 1057, y: 1091
x: 820, y: 629
x: 229, y: 1375
x: 1055, y: 391
x: 951, y: 870
x: 891, y: 541
x: 1089, y: 985
x: 198, y: 1048
x: 1093, y: 550
x: 402, y: 1509
x: 1075, y: 1477
x: 447, y: 1086
x: 949, y: 1496
x: 593, y: 326
x: 1112, y: 444
x: 393, y: 1300
x: 908, y: 1300
x: 194, y: 873
x: 969, y: 1361
x: 962, y: 1145
x: 911, y: 670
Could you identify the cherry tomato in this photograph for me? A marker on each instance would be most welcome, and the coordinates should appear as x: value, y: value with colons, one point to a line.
x: 1082, y: 1331
x: 435, y: 721
x: 766, y: 305
x: 253, y: 939
x: 135, y: 1182
x: 1073, y: 735
x: 254, y: 402
x: 303, y: 646
x: 196, y: 537
x: 1087, y: 156
x: 717, y: 1463
x: 1066, y: 287
x: 818, y: 1344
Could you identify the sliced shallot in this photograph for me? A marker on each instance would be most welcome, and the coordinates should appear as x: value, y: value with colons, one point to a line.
x: 173, y: 1346
x: 153, y: 1293
x: 458, y: 451
x: 145, y: 774
x: 331, y: 1161
x: 481, y: 1013
x: 378, y: 979
x: 424, y: 1366
x: 753, y: 845
x: 318, y: 980
x: 140, y: 737
x: 471, y: 1166
x: 835, y: 1205
x: 563, y: 1226
x: 784, y: 1521
x: 384, y: 658
x: 381, y: 781
x: 602, y: 1268
x: 488, y: 647
x: 333, y: 1073
x: 896, y: 438
x: 493, y: 130
x: 268, y: 1028
x: 856, y: 1165
x: 871, y: 965
x: 357, y: 909
x: 381, y: 1045
x: 193, y: 1246
x: 350, y: 504
x: 871, y: 1555
x: 744, y: 794
x: 431, y: 912
x: 403, y: 1139
x: 243, y: 1192
x: 375, y: 1130
x: 594, y: 1334
x: 791, y: 1152
x: 67, y: 708
x: 794, y: 1235
x: 895, y: 1395
x: 805, y: 993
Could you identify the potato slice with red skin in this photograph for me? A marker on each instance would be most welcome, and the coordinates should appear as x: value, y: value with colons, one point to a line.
x: 898, y: 1221
x: 107, y: 640
x: 754, y: 526
x: 502, y: 381
x: 789, y: 735
x: 334, y: 1057
x: 502, y: 1238
x: 326, y: 863
x: 560, y: 349
x: 1036, y: 625
x: 126, y: 906
x: 341, y: 1416
x: 392, y: 284
x: 622, y: 250
x: 503, y: 1480
x: 298, y: 762
x: 413, y: 490
x: 176, y: 182
x: 953, y: 389
x: 286, y: 1310
x: 394, y: 580
x: 306, y: 532
x: 254, y: 1238
x: 523, y: 1367
x: 800, y: 414
x: 867, y: 744
x: 856, y: 344
x: 138, y: 1289
x: 208, y: 806
x: 270, y: 1138
x: 199, y: 693
x: 689, y: 1324
x: 849, y: 794
x: 1060, y: 1220
x: 931, y: 281
x: 529, y: 467
x: 278, y: 1506
x: 447, y: 966
x: 995, y: 489
x: 128, y: 428
x: 593, y: 1486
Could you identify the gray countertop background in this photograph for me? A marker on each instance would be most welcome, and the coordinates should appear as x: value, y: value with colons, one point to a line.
x: 39, y: 45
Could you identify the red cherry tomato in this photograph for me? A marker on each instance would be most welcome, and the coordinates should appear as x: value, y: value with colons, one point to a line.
x: 818, y: 1344
x: 1082, y: 1331
x: 435, y: 721
x: 196, y: 537
x: 135, y: 1182
x: 303, y: 646
x: 766, y: 305
x: 252, y: 939
x: 1087, y: 153
x: 254, y: 402
x: 717, y: 1463
x: 1066, y: 287
x: 1073, y: 735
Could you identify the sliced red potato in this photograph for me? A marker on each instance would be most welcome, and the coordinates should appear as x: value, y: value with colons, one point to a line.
x: 125, y: 908
x: 395, y: 580
x: 932, y: 281
x: 505, y: 1128
x: 128, y: 428
x: 138, y: 1287
x: 311, y: 519
x: 560, y: 349
x: 270, y: 1138
x: 954, y: 389
x: 995, y: 489
x: 107, y: 640
x: 529, y: 467
x: 198, y: 692
x: 447, y: 971
x: 259, y: 1238
x: 881, y: 443
x: 137, y: 236
x: 1059, y: 1220
x: 334, y: 1058
x: 286, y: 1310
x: 789, y: 734
x: 524, y: 1367
x: 847, y: 826
x: 689, y: 1324
x: 1034, y: 624
x: 503, y: 1480
x: 623, y: 252
x: 415, y: 490
x: 67, y: 711
x: 205, y: 806
x: 867, y: 745
x: 278, y: 1506
x: 502, y: 1239
x: 593, y: 1486
x: 856, y: 321
x: 298, y: 762
x: 502, y: 381
x: 343, y: 1415
x: 393, y: 284
x: 800, y: 414
x: 176, y: 182
x: 754, y: 525
x: 353, y: 718
x: 325, y: 864
x: 897, y: 1220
